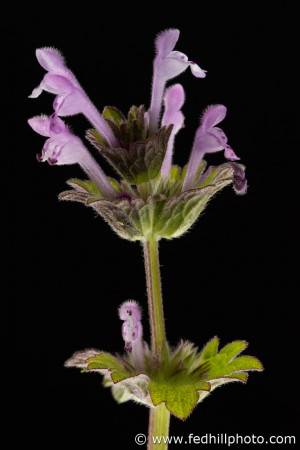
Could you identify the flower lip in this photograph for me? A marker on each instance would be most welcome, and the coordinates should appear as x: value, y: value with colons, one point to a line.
x: 50, y: 58
x: 208, y: 139
x: 166, y: 41
x: 71, y: 98
x: 168, y: 63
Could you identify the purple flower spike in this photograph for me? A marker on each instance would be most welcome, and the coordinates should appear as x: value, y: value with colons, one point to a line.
x: 208, y: 139
x: 70, y: 97
x: 167, y: 64
x: 174, y: 99
x: 132, y: 331
x: 63, y: 147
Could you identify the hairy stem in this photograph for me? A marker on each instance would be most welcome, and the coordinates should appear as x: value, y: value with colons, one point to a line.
x: 159, y: 416
x: 155, y: 305
x: 158, y: 428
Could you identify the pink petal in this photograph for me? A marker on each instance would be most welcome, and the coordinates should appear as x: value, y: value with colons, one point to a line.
x: 57, y: 84
x: 36, y: 92
x: 68, y: 105
x: 229, y: 154
x: 39, y: 125
x: 178, y: 55
x: 212, y: 115
x: 129, y: 309
x: 50, y: 58
x: 174, y: 97
x: 57, y: 126
x: 197, y: 71
x: 166, y: 41
x: 171, y: 67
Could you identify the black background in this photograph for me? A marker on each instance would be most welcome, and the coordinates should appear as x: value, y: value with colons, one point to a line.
x: 233, y: 275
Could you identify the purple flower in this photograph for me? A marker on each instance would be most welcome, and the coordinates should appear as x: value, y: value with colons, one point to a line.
x: 63, y: 147
x: 132, y: 331
x: 70, y: 97
x: 174, y: 99
x: 208, y: 139
x: 167, y: 64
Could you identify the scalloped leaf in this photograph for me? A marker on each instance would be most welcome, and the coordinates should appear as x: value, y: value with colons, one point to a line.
x: 216, y: 173
x: 181, y: 212
x: 219, y: 366
x: 104, y: 361
x: 119, y: 221
x: 180, y: 399
x: 181, y: 380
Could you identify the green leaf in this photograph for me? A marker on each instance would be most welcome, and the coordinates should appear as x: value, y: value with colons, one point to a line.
x: 210, y: 349
x: 108, y: 362
x: 112, y: 113
x: 181, y: 211
x: 240, y: 376
x: 233, y: 349
x: 85, y: 186
x: 120, y: 394
x: 95, y: 138
x: 118, y: 217
x: 105, y: 361
x: 244, y: 363
x: 219, y: 366
x: 180, y: 399
x: 175, y: 172
x: 139, y: 161
x: 180, y: 380
x: 75, y: 196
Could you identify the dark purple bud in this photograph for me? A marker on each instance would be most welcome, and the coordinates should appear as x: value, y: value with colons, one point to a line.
x: 124, y: 196
x: 239, y: 180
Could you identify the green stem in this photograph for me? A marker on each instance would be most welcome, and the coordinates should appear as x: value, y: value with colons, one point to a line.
x: 159, y: 416
x: 155, y: 305
x: 158, y: 428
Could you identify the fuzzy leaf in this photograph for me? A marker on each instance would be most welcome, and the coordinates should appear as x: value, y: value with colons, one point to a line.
x: 104, y: 362
x: 210, y: 350
x: 75, y: 196
x: 233, y: 349
x: 85, y: 186
x: 137, y: 159
x: 112, y: 113
x: 180, y: 399
x: 219, y: 366
x: 180, y: 212
x: 113, y: 213
x: 181, y: 380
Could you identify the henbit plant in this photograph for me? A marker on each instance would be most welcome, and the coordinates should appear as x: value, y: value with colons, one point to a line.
x: 152, y: 199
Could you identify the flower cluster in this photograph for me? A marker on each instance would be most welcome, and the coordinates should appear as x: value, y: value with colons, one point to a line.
x: 181, y: 380
x: 152, y: 197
